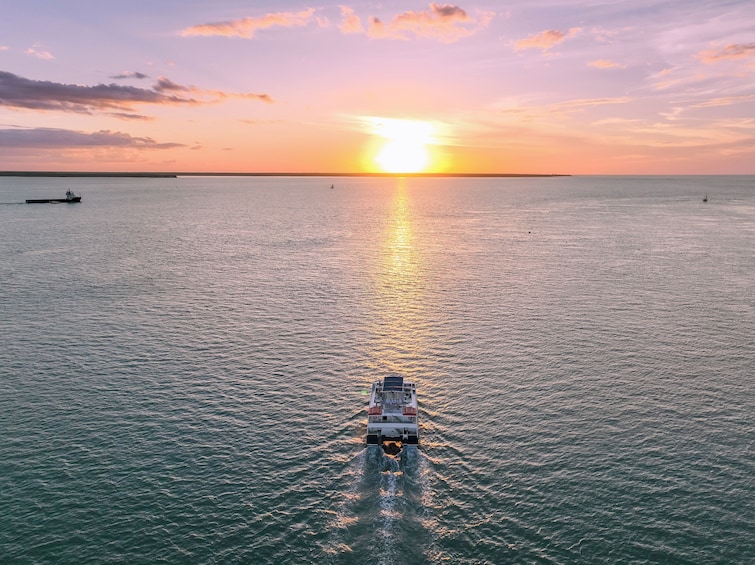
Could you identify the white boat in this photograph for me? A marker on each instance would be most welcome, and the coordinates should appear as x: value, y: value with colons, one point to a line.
x: 392, y: 414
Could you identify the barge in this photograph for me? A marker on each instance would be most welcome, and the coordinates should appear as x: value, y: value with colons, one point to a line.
x: 392, y: 419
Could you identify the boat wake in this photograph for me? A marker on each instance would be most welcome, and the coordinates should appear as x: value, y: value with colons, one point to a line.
x: 383, y: 512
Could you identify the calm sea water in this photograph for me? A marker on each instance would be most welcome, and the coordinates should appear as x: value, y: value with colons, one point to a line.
x: 184, y: 368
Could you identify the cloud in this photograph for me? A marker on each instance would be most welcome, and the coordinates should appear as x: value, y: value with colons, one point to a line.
x: 247, y: 27
x: 4, y: 47
x: 521, y: 112
x: 585, y: 102
x: 443, y: 22
x: 725, y: 101
x: 252, y: 96
x: 731, y: 52
x: 129, y: 116
x: 47, y: 138
x: 351, y: 22
x: 606, y: 64
x: 34, y: 52
x: 19, y: 92
x: 166, y: 85
x: 129, y: 74
x: 545, y: 40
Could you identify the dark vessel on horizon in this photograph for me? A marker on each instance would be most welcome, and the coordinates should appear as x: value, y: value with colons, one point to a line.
x: 70, y: 198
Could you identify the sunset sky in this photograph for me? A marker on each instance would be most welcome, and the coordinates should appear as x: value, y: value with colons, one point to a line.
x: 520, y: 86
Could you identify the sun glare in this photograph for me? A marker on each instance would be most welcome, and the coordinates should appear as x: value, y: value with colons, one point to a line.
x: 398, y: 156
x: 405, y: 149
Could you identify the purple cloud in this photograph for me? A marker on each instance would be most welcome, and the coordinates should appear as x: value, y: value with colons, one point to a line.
x: 40, y: 138
x: 129, y: 74
x: 20, y: 92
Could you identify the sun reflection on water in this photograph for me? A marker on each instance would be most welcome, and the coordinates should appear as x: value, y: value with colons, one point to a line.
x: 399, y: 323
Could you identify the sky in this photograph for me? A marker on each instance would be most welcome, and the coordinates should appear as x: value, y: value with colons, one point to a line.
x: 520, y: 86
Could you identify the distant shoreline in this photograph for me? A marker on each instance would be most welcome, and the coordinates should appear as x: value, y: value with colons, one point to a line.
x: 84, y: 174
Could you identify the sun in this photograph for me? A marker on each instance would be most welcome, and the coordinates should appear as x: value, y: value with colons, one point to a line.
x: 397, y: 156
x: 405, y: 149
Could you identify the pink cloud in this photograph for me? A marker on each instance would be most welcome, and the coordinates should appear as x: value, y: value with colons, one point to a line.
x: 725, y: 101
x: 247, y: 27
x: 546, y: 40
x: 731, y: 52
x: 443, y: 22
x: 34, y: 52
x: 351, y: 22
x: 605, y: 64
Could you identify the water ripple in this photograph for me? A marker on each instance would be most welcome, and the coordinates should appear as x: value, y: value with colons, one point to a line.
x: 186, y: 361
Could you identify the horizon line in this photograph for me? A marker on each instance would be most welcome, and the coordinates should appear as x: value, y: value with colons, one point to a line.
x: 175, y: 174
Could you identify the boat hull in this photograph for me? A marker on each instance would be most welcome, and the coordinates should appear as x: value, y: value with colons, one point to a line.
x: 375, y: 439
x: 53, y: 200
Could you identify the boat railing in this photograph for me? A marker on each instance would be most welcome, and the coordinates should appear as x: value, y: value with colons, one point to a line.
x: 391, y: 419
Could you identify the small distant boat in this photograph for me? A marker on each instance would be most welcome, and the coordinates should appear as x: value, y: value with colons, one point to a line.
x: 70, y: 198
x: 332, y: 187
x: 705, y: 198
x: 392, y: 415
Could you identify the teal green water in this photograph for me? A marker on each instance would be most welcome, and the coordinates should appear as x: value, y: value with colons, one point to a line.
x: 185, y: 362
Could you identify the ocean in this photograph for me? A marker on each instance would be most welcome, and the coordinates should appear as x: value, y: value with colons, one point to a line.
x: 185, y: 365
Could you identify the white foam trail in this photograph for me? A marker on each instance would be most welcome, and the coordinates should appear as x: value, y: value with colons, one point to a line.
x: 391, y: 481
x: 375, y: 492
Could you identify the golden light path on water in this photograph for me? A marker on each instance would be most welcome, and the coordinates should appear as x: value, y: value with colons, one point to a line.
x: 399, y: 298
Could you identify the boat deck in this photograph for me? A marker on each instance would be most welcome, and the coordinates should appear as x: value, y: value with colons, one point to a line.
x: 392, y: 414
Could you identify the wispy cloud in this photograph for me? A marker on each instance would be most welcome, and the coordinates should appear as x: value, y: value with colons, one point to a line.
x: 725, y: 101
x: 442, y: 22
x: 584, y: 102
x: 128, y: 75
x: 606, y: 64
x: 546, y: 40
x: 39, y: 54
x: 556, y: 116
x: 4, y: 47
x: 247, y: 27
x: 20, y: 92
x: 730, y: 52
x: 41, y: 138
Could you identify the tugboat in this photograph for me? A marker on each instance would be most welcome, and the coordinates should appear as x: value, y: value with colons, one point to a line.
x: 392, y: 415
x: 70, y: 197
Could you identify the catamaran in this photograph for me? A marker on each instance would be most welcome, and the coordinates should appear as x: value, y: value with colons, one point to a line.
x: 392, y: 414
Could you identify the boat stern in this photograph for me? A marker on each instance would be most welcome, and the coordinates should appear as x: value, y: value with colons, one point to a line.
x: 392, y: 418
